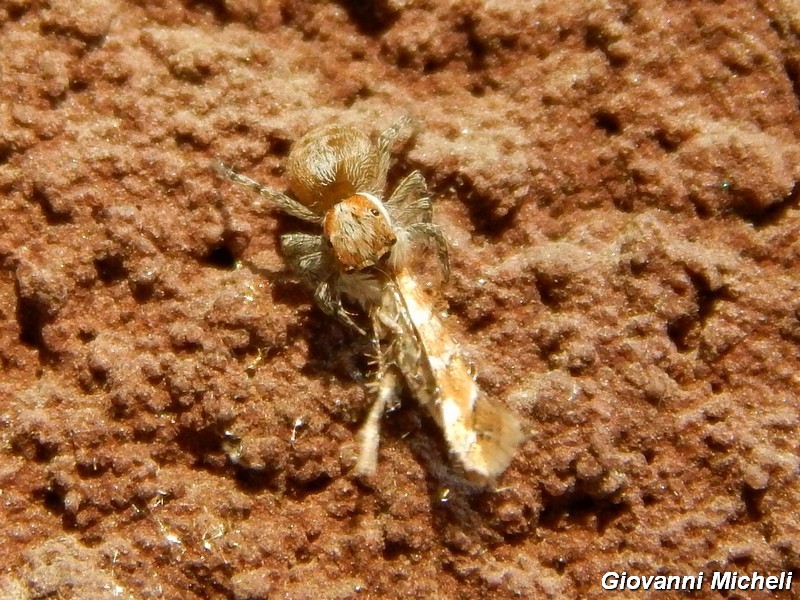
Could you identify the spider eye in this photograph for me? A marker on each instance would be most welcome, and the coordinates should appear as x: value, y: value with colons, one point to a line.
x: 374, y: 212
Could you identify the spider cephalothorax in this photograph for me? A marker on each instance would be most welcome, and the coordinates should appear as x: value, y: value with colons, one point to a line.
x: 359, y: 230
x: 338, y: 176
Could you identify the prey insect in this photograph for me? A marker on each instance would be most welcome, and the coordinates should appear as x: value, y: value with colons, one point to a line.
x: 338, y: 175
x: 364, y: 251
x: 412, y: 341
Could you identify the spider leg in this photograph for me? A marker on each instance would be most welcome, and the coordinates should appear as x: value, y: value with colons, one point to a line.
x: 410, y: 202
x: 303, y: 253
x: 330, y: 302
x: 306, y: 256
x: 384, y: 145
x: 432, y: 233
x: 282, y: 201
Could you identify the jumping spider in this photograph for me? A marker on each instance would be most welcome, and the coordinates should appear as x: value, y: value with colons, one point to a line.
x: 338, y: 177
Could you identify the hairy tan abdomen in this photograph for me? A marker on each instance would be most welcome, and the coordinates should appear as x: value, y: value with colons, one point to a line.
x: 330, y: 164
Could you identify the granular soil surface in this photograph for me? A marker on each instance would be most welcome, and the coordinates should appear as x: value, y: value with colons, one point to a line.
x: 618, y: 182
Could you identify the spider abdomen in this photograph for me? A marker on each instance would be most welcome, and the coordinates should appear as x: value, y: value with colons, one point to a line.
x: 332, y: 163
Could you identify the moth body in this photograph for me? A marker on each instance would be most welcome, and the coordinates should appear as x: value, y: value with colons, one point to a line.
x: 482, y: 435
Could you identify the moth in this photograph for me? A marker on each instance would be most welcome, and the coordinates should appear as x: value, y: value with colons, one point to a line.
x: 482, y: 435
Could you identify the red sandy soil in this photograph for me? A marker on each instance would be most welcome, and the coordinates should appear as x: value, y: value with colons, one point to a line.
x: 618, y: 182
